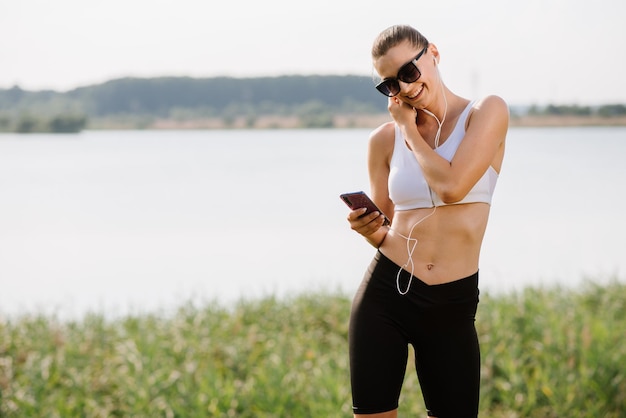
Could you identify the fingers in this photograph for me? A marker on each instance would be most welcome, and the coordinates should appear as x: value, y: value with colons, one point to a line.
x: 393, y: 103
x: 400, y: 111
x: 356, y: 214
x: 365, y: 224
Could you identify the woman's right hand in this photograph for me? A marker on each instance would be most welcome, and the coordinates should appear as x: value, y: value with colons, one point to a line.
x: 366, y: 225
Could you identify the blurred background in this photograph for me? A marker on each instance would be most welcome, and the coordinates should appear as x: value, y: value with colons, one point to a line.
x: 534, y: 52
x: 143, y: 181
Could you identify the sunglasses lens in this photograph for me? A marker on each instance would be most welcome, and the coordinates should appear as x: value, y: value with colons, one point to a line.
x: 389, y: 87
x: 409, y: 73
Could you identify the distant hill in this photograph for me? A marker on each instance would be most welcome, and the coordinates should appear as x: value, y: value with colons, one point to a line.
x: 216, y: 96
x: 143, y: 100
x: 175, y: 102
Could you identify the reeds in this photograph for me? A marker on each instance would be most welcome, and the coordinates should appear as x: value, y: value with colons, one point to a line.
x: 546, y: 353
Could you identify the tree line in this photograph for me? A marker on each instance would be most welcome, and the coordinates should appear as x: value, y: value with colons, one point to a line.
x: 606, y: 111
x: 313, y: 100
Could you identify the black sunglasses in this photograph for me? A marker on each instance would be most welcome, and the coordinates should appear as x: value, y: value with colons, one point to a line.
x: 408, y: 73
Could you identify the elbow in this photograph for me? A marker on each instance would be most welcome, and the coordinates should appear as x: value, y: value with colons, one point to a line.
x: 451, y: 195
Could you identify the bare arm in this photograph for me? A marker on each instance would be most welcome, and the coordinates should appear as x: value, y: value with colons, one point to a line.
x: 482, y: 146
x: 378, y: 159
x: 379, y: 152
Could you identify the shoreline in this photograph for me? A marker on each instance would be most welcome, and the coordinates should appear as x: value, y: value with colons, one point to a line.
x: 565, y: 121
x: 362, y: 121
x: 337, y: 122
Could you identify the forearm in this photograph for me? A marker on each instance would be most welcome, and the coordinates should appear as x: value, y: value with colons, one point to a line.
x: 435, y: 168
x: 376, y: 239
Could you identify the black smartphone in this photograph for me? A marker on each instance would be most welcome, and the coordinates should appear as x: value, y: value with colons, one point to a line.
x: 357, y: 200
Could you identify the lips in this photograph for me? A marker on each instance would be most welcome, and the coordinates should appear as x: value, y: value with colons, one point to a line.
x: 417, y: 93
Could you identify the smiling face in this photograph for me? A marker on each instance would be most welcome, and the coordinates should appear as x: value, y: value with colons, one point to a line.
x: 408, y: 73
x: 396, y: 67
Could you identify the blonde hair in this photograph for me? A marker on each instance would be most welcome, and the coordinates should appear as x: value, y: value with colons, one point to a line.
x: 395, y: 35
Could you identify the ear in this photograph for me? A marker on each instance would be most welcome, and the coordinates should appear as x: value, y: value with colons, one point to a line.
x: 434, y: 52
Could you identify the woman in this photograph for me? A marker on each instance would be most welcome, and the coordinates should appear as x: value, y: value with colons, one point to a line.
x: 432, y: 172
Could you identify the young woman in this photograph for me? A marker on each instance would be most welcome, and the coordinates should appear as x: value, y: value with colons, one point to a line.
x: 432, y: 172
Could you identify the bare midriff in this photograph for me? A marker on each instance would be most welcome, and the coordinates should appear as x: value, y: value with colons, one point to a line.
x: 448, y: 241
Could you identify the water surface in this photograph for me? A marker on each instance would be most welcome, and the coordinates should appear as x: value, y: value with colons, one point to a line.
x: 123, y: 221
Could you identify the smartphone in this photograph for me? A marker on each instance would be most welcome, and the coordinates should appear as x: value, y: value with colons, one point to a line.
x: 357, y: 200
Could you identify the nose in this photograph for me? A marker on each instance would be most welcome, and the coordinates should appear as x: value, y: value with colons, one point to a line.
x: 403, y: 86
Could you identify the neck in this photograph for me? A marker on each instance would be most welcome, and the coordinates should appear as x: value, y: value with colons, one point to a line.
x: 440, y: 104
x: 439, y: 121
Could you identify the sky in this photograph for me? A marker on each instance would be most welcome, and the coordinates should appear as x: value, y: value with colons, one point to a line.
x: 529, y: 52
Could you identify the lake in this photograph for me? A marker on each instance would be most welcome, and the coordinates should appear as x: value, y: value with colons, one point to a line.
x: 133, y: 221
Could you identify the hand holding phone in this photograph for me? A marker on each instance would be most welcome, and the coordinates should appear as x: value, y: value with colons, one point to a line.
x: 358, y: 200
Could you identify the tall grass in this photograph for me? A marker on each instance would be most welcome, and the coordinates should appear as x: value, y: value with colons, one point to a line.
x: 546, y: 353
x: 556, y: 353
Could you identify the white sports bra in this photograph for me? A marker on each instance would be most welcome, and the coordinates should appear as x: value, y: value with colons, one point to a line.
x: 408, y: 188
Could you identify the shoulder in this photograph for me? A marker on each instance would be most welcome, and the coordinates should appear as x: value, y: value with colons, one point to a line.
x: 490, y: 107
x: 381, y: 144
x: 383, y: 137
x: 490, y: 112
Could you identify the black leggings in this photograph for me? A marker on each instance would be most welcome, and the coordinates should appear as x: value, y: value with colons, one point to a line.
x: 438, y: 320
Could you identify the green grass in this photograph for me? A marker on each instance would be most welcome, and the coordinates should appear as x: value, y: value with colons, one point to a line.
x: 546, y: 353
